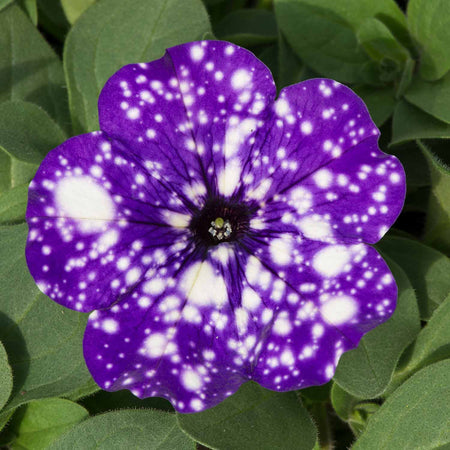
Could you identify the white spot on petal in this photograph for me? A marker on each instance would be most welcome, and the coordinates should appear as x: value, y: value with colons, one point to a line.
x: 229, y: 178
x: 155, y: 345
x: 250, y: 299
x: 176, y: 220
x: 315, y: 227
x: 82, y: 199
x: 331, y: 260
x: 202, y: 287
x: 280, y: 250
x: 306, y: 127
x: 133, y: 113
x: 110, y: 326
x: 197, y: 53
x: 323, y: 178
x: 240, y: 79
x: 191, y: 380
x: 339, y: 310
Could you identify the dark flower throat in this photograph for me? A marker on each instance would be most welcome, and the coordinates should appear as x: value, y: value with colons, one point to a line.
x: 220, y: 220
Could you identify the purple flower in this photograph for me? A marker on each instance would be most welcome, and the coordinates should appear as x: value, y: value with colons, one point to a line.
x: 217, y: 235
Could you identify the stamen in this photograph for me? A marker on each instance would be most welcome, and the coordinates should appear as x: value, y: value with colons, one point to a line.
x: 220, y: 229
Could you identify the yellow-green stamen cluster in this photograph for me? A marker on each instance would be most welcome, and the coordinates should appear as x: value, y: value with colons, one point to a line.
x: 220, y: 229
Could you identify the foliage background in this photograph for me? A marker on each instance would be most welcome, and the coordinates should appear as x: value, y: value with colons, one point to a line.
x: 393, y: 391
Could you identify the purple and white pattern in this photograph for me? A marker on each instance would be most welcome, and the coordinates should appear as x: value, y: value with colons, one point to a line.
x: 217, y: 235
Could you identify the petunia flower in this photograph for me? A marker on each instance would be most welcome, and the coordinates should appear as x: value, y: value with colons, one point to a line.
x: 217, y: 235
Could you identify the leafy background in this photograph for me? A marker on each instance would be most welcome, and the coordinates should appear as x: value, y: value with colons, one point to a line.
x: 393, y: 391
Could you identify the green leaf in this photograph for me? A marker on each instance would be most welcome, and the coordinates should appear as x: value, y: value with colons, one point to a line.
x: 138, y: 429
x: 30, y: 7
x: 82, y: 391
x: 27, y: 134
x: 6, y: 381
x: 406, y: 77
x: 415, y: 416
x: 13, y: 205
x: 351, y: 409
x: 253, y: 418
x: 343, y: 402
x: 414, y: 163
x: 437, y: 229
x: 4, y: 3
x: 379, y: 43
x: 29, y: 69
x: 410, y: 123
x: 45, y: 420
x: 290, y: 67
x: 432, y: 345
x: 323, y: 33
x: 428, y: 24
x: 5, y: 418
x: 322, y: 39
x: 74, y: 8
x: 433, y: 98
x: 43, y: 340
x: 52, y: 18
x: 106, y: 401
x: 99, y: 44
x: 366, y: 371
x: 247, y: 27
x: 427, y: 269
x: 379, y: 101
x: 316, y: 394
x: 269, y: 56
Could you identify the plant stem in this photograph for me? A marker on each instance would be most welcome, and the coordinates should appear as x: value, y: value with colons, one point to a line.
x: 320, y: 414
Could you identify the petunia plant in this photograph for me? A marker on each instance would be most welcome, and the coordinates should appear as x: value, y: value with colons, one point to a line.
x: 224, y: 224
x: 218, y: 234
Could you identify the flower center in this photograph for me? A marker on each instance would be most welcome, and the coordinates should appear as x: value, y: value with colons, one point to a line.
x: 220, y: 229
x: 220, y: 220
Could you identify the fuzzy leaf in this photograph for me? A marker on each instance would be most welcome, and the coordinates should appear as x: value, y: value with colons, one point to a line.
x: 27, y: 134
x: 379, y: 42
x: 427, y: 269
x: 290, y: 67
x: 6, y: 380
x: 415, y: 415
x: 366, y: 371
x: 323, y: 33
x: 428, y: 24
x: 379, y: 101
x: 432, y: 345
x: 146, y: 429
x: 433, y: 98
x: 253, y: 418
x: 43, y: 340
x: 410, y: 123
x: 29, y: 69
x: 45, y: 420
x: 247, y: 27
x: 99, y: 44
x: 437, y: 230
x: 13, y: 204
x: 74, y: 8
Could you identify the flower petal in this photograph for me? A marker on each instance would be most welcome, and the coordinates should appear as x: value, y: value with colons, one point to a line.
x: 319, y: 156
x: 195, y: 111
x: 319, y: 300
x: 173, y: 337
x: 96, y: 223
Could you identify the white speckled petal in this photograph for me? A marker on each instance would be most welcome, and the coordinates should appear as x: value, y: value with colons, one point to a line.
x: 319, y: 155
x: 195, y: 111
x: 219, y: 235
x: 96, y: 222
x: 175, y: 336
x: 316, y: 301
